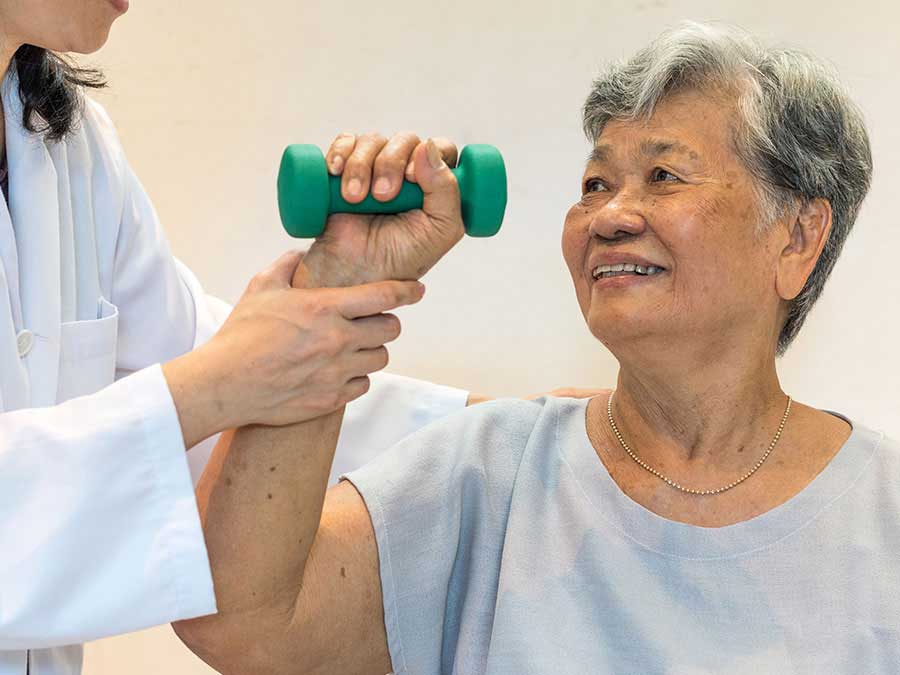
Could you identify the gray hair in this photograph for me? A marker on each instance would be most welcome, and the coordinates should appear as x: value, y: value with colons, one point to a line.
x: 797, y: 131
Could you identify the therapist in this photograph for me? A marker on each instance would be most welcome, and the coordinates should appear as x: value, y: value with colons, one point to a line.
x: 99, y: 531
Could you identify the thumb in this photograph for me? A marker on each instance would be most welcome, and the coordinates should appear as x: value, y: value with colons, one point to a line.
x: 439, y: 187
x: 280, y: 272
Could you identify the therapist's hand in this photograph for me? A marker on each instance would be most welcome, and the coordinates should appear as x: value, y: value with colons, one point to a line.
x: 285, y: 354
x: 357, y: 249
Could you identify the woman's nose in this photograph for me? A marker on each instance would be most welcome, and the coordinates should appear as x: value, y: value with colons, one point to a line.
x: 622, y: 215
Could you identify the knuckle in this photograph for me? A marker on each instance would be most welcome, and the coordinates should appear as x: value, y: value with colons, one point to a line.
x: 330, y: 400
x: 391, y: 296
x: 379, y: 294
x: 315, y: 306
x: 258, y: 282
x: 449, y: 179
x: 336, y: 342
x: 409, y: 137
x: 376, y: 138
x: 355, y: 165
x: 390, y: 163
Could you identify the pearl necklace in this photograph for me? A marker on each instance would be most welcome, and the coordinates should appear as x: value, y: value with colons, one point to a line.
x: 692, y: 491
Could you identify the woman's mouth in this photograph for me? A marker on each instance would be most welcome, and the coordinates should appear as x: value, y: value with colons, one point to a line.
x: 625, y: 269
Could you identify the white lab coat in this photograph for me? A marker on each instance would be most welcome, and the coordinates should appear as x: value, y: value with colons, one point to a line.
x: 99, y: 531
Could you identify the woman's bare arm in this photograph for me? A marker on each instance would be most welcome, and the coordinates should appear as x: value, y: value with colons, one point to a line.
x: 296, y: 579
x: 297, y: 582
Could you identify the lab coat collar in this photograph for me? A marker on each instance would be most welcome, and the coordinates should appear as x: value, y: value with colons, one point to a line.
x: 35, y: 213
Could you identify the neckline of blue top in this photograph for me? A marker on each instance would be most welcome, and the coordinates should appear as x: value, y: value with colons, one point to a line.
x: 681, y: 540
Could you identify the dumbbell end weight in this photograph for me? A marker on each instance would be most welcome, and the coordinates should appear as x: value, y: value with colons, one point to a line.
x: 481, y: 175
x: 303, y: 195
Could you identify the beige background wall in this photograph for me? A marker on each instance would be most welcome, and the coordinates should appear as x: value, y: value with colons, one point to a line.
x: 207, y: 93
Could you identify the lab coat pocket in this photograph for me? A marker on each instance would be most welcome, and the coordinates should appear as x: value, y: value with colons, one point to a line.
x: 87, y: 356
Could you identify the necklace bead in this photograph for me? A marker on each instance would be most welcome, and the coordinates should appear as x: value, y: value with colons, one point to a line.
x: 688, y: 490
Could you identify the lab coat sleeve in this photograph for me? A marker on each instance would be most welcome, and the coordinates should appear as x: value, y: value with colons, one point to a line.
x: 164, y: 311
x: 99, y: 532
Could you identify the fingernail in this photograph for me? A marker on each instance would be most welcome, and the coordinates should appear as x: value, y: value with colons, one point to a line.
x: 354, y: 187
x: 337, y: 164
x: 434, y: 155
x: 411, y: 171
x: 382, y: 185
x: 421, y: 288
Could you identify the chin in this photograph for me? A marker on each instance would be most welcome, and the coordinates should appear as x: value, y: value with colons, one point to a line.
x: 92, y: 44
x: 612, y: 329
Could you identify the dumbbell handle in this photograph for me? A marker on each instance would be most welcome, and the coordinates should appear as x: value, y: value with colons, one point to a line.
x: 410, y: 197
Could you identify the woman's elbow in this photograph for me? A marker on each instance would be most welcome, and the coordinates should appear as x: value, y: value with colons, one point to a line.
x: 216, y: 641
x: 250, y: 646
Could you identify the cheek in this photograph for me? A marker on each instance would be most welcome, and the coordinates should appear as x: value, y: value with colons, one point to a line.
x: 575, y: 241
x: 718, y: 252
x: 575, y: 237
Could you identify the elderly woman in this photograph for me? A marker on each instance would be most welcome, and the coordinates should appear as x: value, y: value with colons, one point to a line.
x: 694, y: 520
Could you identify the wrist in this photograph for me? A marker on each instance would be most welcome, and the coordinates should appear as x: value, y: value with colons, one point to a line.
x: 198, y: 392
x: 320, y: 269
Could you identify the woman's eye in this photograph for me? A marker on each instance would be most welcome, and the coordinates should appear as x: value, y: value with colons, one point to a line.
x: 664, y: 176
x: 594, y: 185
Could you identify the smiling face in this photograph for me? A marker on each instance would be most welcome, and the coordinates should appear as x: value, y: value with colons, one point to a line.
x: 80, y: 26
x: 672, y: 193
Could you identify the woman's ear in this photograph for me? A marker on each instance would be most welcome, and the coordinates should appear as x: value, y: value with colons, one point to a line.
x: 807, y: 232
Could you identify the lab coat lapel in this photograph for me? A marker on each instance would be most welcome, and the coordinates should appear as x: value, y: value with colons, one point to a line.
x: 14, y: 393
x: 34, y: 209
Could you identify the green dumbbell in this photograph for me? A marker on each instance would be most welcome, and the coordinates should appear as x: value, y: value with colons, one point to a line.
x: 308, y: 194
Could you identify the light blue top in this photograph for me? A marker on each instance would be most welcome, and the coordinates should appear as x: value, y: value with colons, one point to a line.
x: 506, y: 547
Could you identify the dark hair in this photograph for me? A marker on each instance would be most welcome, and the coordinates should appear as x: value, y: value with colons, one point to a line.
x: 50, y: 88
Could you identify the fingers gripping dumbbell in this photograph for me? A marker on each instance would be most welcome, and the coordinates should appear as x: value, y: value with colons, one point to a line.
x: 308, y: 194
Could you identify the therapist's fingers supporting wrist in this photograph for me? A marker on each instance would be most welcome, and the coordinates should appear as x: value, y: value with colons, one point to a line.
x: 286, y: 355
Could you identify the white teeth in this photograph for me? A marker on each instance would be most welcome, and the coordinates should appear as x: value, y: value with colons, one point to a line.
x: 605, y: 270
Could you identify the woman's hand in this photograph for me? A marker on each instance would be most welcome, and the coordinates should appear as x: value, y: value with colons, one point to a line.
x: 285, y: 354
x: 357, y: 249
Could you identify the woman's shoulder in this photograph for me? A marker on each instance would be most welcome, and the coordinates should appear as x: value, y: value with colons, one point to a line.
x: 871, y: 457
x: 515, y: 417
x: 490, y: 437
x: 501, y: 424
x: 887, y: 446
